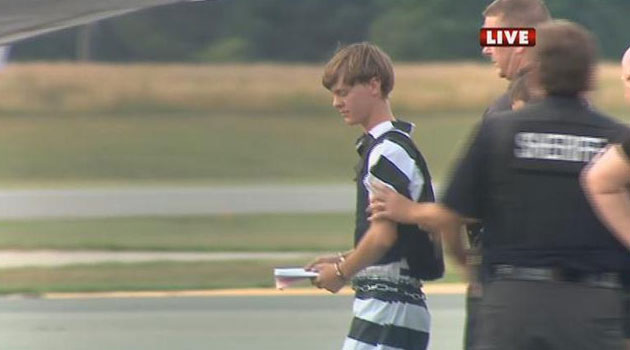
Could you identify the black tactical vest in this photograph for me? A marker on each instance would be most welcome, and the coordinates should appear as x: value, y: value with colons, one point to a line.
x: 536, y: 213
x: 423, y: 254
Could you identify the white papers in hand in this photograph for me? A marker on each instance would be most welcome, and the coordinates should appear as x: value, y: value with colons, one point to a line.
x: 286, y: 276
x: 295, y: 272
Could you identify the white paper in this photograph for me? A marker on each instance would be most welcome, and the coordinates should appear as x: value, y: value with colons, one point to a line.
x: 294, y: 272
x: 285, y: 277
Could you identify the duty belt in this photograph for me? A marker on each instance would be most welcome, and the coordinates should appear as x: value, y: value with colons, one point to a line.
x: 600, y: 280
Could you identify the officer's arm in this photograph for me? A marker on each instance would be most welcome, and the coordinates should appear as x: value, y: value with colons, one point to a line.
x: 606, y: 184
x: 452, y: 233
x: 439, y: 218
x: 386, y: 203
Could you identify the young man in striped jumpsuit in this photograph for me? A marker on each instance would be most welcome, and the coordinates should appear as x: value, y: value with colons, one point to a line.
x: 389, y: 260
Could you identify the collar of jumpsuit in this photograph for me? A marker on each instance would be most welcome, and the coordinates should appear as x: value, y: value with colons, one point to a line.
x: 365, y: 140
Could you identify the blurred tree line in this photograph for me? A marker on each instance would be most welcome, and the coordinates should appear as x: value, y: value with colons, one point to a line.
x: 306, y: 30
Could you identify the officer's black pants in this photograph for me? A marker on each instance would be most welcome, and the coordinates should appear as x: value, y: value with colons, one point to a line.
x: 524, y: 315
x: 473, y: 302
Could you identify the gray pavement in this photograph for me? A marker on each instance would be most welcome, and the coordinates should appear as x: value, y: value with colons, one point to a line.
x: 270, y: 322
x: 197, y: 200
x: 23, y: 258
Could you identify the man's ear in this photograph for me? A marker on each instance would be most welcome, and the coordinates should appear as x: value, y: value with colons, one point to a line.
x: 375, y: 86
x: 520, y: 50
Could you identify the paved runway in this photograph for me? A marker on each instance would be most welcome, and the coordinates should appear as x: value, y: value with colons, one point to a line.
x: 199, y: 200
x: 190, y: 323
x: 21, y: 258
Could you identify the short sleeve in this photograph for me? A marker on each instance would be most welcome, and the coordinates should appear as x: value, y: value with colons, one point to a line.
x: 467, y: 187
x: 390, y: 164
x: 625, y: 146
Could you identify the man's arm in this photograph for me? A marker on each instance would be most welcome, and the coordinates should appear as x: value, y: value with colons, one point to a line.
x: 452, y: 233
x: 327, y: 259
x: 387, y: 204
x: 376, y: 242
x: 390, y: 165
x: 605, y: 183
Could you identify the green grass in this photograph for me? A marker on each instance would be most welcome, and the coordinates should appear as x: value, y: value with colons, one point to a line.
x: 280, y: 232
x: 189, y: 148
x: 149, y: 276
x: 66, y: 124
x: 193, y: 148
x: 277, y: 232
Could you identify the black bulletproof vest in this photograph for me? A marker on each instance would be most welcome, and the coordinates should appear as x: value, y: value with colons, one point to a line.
x: 536, y: 213
x: 423, y: 254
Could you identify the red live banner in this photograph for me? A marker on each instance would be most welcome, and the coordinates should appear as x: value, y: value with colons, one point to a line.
x: 507, y: 37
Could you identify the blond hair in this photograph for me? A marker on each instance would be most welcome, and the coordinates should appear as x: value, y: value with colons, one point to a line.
x: 358, y: 64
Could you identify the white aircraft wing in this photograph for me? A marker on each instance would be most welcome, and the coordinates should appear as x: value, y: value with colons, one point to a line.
x: 21, y: 19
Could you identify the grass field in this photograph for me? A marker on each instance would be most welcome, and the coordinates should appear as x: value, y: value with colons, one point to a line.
x: 45, y: 88
x: 66, y: 124
x: 149, y: 276
x: 253, y: 88
x: 280, y: 232
x: 141, y: 276
x: 190, y: 148
x: 182, y: 147
x: 84, y: 125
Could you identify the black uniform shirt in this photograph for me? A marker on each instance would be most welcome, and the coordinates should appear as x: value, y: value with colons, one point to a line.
x: 501, y: 104
x: 532, y: 209
x: 626, y: 147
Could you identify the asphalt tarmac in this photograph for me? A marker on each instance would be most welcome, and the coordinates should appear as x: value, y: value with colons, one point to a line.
x: 182, y: 323
x: 168, y: 201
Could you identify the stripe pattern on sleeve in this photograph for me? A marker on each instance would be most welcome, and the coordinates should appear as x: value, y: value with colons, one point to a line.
x: 391, y: 164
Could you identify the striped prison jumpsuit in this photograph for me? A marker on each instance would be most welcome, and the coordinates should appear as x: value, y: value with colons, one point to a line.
x: 389, y: 310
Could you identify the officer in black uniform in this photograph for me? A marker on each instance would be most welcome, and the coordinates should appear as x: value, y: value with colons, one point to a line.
x: 554, y: 268
x: 511, y: 63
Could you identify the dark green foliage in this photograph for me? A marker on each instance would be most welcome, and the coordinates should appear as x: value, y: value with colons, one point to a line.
x: 310, y: 30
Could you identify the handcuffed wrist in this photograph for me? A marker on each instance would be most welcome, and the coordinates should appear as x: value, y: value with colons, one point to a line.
x: 338, y: 272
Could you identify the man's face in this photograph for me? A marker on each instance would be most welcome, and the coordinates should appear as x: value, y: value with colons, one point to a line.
x: 625, y: 77
x: 502, y: 57
x: 354, y: 103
